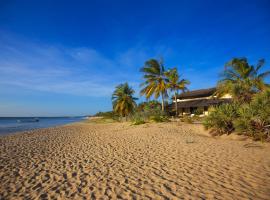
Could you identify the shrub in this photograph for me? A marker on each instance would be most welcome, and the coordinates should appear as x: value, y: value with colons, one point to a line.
x: 138, y: 122
x: 108, y: 115
x: 199, y: 111
x: 187, y: 119
x: 137, y: 118
x: 149, y: 111
x: 149, y: 105
x: 159, y: 118
x: 220, y: 119
x: 254, y: 118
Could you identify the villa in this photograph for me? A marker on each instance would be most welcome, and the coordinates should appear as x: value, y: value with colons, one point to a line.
x: 198, y: 101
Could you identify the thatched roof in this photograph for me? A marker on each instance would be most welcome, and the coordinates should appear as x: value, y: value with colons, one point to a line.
x: 197, y: 93
x: 199, y: 103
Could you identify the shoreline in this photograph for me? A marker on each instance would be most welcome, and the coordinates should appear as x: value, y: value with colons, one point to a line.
x: 198, y: 128
x: 38, y: 128
x: 116, y: 160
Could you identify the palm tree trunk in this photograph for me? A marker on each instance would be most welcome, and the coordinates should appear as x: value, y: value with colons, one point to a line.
x: 176, y: 109
x: 162, y: 102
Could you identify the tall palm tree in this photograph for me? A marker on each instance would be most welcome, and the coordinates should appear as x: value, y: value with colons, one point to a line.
x: 123, y: 100
x: 155, y: 80
x: 175, y: 84
x: 242, y: 80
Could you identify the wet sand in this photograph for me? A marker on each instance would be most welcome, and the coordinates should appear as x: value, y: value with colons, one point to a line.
x: 119, y: 161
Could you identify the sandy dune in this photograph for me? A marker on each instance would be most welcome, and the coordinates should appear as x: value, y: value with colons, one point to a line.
x: 119, y: 161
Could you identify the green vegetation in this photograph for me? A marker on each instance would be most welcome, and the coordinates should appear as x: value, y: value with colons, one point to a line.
x: 149, y: 112
x: 174, y: 84
x: 108, y: 115
x: 254, y: 118
x: 220, y: 119
x: 199, y: 111
x: 123, y: 100
x: 101, y: 120
x: 155, y: 80
x: 242, y: 80
x: 187, y: 119
x: 158, y: 80
x: 249, y: 114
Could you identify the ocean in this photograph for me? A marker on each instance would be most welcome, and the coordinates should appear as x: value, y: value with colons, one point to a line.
x: 9, y: 125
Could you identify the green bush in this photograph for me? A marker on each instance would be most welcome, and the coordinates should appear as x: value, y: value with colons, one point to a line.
x: 220, y: 119
x: 187, y: 119
x: 159, y: 118
x: 199, y: 111
x: 138, y: 122
x: 149, y: 111
x: 137, y: 118
x: 254, y: 118
x: 149, y: 105
x: 108, y: 115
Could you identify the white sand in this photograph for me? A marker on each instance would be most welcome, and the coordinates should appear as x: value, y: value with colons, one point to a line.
x: 119, y: 161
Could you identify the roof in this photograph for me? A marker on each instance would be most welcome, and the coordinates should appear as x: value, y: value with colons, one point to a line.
x: 199, y: 103
x: 197, y: 93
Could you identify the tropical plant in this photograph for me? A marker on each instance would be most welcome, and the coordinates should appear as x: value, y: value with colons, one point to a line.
x: 258, y: 78
x: 159, y: 118
x: 123, y: 100
x: 175, y: 84
x: 220, y: 119
x: 149, y: 111
x: 138, y: 118
x: 108, y: 115
x: 242, y: 80
x: 199, y: 111
x: 147, y: 105
x: 187, y: 119
x: 254, y: 118
x: 155, y: 80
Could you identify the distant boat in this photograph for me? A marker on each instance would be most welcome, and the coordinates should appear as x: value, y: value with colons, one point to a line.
x: 28, y: 120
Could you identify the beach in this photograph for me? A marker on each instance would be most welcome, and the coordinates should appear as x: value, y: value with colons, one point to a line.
x: 88, y: 160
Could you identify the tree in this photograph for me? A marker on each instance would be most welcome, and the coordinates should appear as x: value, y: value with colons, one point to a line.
x: 242, y: 80
x: 155, y: 80
x: 123, y: 100
x: 258, y: 78
x: 174, y: 84
x: 154, y: 104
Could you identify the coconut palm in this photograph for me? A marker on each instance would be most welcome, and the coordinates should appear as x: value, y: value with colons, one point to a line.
x: 242, y: 80
x: 123, y: 100
x: 259, y: 77
x: 155, y: 80
x: 175, y: 84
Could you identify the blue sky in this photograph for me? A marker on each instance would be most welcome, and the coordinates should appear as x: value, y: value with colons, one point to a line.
x: 66, y: 57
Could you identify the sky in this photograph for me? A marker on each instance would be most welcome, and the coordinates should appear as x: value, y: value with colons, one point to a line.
x: 60, y: 58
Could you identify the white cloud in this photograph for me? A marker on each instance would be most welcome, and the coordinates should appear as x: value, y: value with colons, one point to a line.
x: 80, y: 71
x: 77, y: 71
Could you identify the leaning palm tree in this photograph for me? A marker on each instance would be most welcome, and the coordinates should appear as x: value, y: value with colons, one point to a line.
x: 242, y: 80
x: 155, y: 80
x: 175, y: 84
x: 123, y: 100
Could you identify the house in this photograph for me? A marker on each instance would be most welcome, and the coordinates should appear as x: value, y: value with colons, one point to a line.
x: 197, y: 101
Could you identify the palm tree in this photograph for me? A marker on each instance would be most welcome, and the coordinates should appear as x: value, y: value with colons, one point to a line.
x: 174, y: 84
x: 259, y: 78
x: 123, y: 100
x: 242, y: 80
x: 155, y: 80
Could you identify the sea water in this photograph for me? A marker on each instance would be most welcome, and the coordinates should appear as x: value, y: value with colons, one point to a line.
x: 10, y: 125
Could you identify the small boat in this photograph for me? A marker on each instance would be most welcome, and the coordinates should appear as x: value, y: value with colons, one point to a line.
x: 28, y: 120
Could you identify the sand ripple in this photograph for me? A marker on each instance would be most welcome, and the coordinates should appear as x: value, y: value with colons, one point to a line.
x: 119, y: 161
